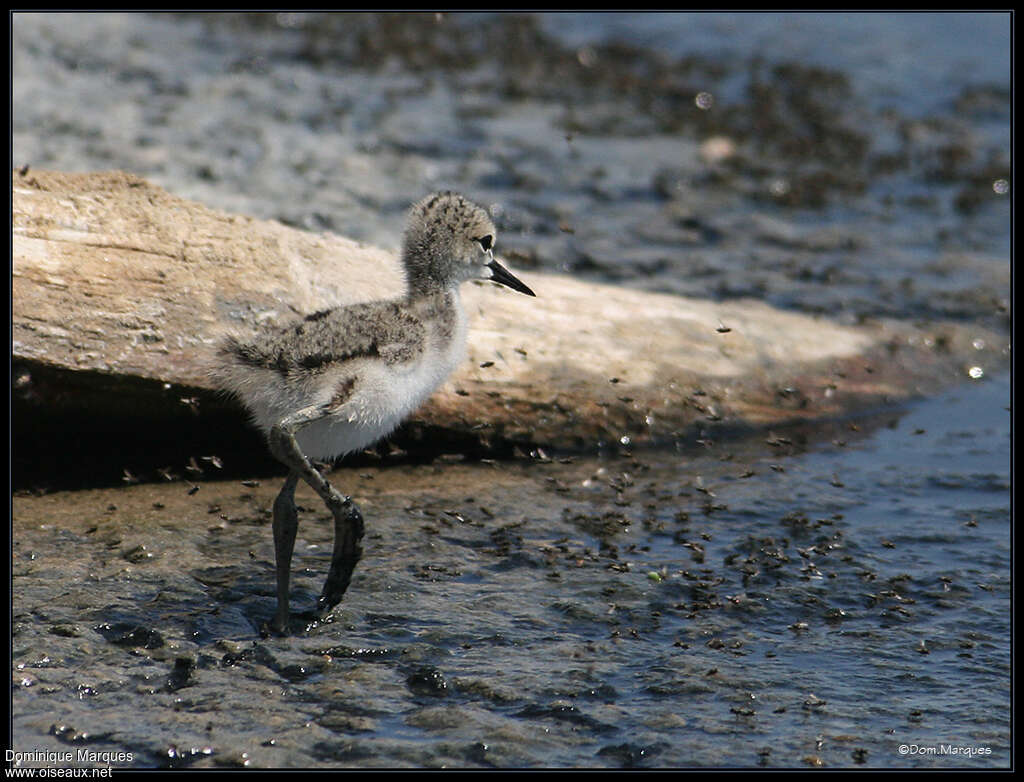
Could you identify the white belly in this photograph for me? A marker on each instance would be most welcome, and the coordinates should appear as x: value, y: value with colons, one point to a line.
x: 382, y: 397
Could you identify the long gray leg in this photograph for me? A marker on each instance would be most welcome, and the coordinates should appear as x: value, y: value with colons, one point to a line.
x: 286, y: 524
x: 348, y: 521
x: 286, y: 449
x: 348, y: 534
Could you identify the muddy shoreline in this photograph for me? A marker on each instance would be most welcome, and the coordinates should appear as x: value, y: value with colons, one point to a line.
x: 605, y: 613
x: 791, y: 597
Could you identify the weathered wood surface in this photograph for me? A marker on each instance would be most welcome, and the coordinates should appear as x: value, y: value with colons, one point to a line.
x: 114, y: 275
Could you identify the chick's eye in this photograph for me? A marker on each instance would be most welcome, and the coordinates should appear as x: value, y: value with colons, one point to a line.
x: 486, y: 242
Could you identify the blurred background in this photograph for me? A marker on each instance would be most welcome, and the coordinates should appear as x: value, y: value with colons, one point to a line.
x: 853, y: 164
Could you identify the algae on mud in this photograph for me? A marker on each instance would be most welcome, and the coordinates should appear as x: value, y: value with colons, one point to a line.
x: 519, y: 639
x: 566, y: 613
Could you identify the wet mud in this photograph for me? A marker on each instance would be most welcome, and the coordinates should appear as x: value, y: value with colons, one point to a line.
x: 786, y: 601
x: 791, y: 599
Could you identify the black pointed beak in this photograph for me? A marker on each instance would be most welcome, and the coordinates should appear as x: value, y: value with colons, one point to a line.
x: 500, y: 274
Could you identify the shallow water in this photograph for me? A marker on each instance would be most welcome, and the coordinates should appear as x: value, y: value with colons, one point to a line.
x: 653, y: 609
x: 777, y: 603
x: 641, y: 152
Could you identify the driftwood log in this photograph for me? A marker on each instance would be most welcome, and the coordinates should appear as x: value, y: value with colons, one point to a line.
x: 119, y: 287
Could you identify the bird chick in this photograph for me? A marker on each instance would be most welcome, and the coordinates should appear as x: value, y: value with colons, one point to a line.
x: 341, y: 379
